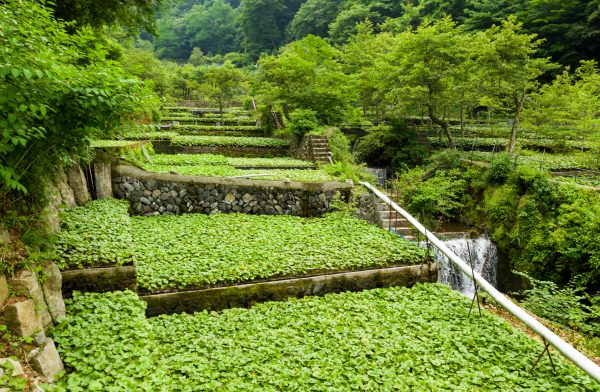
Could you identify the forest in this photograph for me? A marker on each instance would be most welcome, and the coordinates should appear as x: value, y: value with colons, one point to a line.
x: 251, y: 125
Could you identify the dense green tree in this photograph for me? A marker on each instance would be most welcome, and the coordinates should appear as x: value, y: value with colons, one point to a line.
x: 356, y: 11
x: 570, y: 28
x: 221, y: 83
x: 360, y: 57
x: 131, y: 14
x: 147, y: 67
x: 509, y: 69
x: 211, y: 28
x: 423, y: 67
x: 314, y: 17
x: 56, y: 91
x: 263, y: 24
x: 483, y: 14
x: 169, y: 44
x: 306, y: 75
x: 569, y: 106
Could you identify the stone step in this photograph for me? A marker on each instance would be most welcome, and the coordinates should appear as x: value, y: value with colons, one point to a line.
x: 387, y: 214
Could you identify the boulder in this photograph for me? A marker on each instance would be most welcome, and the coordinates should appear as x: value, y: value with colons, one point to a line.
x: 21, y: 318
x: 47, y: 362
x: 52, y: 287
x: 66, y: 192
x: 17, y: 369
x: 78, y: 184
x: 26, y: 284
x: 4, y: 236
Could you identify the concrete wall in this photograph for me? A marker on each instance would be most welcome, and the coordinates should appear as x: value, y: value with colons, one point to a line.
x: 153, y: 194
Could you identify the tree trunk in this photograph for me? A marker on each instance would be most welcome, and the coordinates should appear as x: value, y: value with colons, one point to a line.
x: 286, y: 111
x: 519, y: 101
x: 442, y: 123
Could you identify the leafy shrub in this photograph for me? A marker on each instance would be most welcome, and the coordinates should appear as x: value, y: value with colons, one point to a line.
x: 565, y: 305
x: 303, y: 121
x: 394, y: 146
x: 500, y: 169
x: 200, y: 250
x: 348, y: 171
x: 58, y: 89
x: 433, y: 199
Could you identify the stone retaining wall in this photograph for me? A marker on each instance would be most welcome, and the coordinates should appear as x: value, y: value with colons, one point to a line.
x: 246, y: 295
x: 170, y: 194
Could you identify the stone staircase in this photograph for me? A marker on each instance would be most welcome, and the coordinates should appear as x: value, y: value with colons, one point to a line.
x: 393, y: 221
x: 319, y: 147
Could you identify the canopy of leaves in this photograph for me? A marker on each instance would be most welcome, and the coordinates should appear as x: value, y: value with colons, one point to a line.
x: 56, y: 90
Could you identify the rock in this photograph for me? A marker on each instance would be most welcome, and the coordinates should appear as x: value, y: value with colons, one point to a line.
x: 279, y: 209
x: 4, y: 236
x: 52, y: 287
x: 145, y: 200
x: 17, y: 369
x: 323, y: 197
x: 3, y: 290
x: 48, y: 363
x: 128, y: 187
x: 78, y: 183
x: 102, y: 180
x: 156, y: 193
x: 21, y: 318
x: 229, y: 198
x: 66, y: 192
x: 247, y: 198
x: 26, y: 284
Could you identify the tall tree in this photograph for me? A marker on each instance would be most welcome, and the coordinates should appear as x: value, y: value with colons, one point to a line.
x: 423, y: 68
x: 306, y: 75
x: 263, y: 24
x: 314, y: 17
x: 131, y: 14
x: 211, y: 28
x: 509, y: 69
x: 222, y: 83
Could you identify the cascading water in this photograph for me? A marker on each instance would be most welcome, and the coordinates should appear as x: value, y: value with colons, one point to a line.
x: 481, y: 253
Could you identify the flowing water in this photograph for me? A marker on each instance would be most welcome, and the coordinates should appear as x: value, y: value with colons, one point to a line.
x: 481, y: 253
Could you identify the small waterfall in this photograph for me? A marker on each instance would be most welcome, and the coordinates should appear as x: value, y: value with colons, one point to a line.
x: 483, y: 256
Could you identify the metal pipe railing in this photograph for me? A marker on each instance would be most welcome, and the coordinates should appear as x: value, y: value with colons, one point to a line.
x: 566, y: 349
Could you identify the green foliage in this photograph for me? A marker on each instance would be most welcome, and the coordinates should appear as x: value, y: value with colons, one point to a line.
x: 132, y: 15
x: 305, y: 75
x: 318, y: 176
x: 230, y: 141
x: 394, y: 146
x: 209, y: 159
x: 348, y: 171
x: 106, y: 344
x: 220, y: 83
x: 56, y: 90
x: 569, y: 106
x: 434, y: 197
x: 303, y: 121
x: 500, y: 170
x: 564, y: 305
x: 225, y: 248
x: 95, y: 235
x: 371, y: 340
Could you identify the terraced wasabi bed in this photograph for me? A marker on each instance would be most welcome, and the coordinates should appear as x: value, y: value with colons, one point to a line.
x: 177, y: 252
x: 394, y: 339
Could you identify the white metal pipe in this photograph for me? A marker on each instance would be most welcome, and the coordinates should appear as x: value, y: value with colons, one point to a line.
x: 566, y: 349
